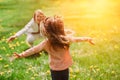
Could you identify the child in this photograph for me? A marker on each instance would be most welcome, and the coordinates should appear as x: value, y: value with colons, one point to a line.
x: 57, y: 45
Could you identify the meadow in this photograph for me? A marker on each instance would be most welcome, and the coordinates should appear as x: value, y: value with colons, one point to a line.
x: 91, y: 62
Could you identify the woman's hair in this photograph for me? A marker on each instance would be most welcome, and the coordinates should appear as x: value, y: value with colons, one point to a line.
x: 55, y: 33
x: 37, y: 11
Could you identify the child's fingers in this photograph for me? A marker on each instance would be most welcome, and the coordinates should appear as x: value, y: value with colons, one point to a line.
x: 92, y: 42
x: 16, y: 55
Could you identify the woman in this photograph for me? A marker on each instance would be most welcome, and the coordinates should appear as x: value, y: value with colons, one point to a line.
x: 32, y: 29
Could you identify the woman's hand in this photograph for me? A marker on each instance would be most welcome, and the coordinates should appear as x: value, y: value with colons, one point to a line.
x: 11, y: 38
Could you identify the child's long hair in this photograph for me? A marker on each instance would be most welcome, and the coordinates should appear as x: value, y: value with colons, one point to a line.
x: 55, y: 33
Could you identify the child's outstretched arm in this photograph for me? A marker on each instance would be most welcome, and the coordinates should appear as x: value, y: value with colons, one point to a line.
x: 81, y: 39
x: 29, y: 52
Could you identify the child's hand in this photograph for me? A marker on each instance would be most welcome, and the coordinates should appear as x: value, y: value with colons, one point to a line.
x: 15, y: 56
x: 90, y: 40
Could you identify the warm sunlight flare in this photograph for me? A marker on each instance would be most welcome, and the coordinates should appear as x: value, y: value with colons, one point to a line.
x: 89, y: 8
x: 96, y: 8
x: 91, y: 12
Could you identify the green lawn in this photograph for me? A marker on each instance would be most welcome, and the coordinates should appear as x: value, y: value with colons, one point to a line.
x: 98, y: 62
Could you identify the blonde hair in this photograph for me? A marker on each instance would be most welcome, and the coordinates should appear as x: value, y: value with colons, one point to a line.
x: 37, y: 11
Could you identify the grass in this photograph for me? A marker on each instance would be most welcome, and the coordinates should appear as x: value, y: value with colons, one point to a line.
x: 98, y: 62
